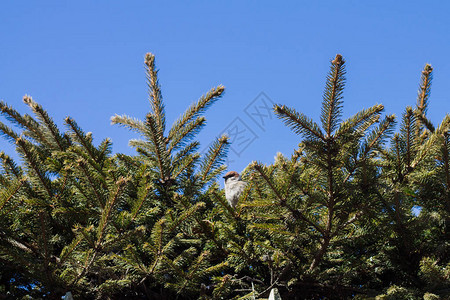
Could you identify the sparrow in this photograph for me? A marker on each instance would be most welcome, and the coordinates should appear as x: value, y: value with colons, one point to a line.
x: 233, y: 187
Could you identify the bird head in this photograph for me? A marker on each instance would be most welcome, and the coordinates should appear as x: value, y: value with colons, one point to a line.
x: 232, y: 176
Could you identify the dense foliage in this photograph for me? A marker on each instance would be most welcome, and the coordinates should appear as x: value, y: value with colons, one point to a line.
x: 356, y: 211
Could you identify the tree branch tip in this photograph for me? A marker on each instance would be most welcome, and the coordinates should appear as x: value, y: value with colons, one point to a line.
x: 149, y: 59
x: 279, y: 109
x: 427, y: 69
x: 20, y: 140
x: 391, y: 117
x: 224, y: 139
x: 338, y: 60
x: 114, y: 119
x: 27, y: 99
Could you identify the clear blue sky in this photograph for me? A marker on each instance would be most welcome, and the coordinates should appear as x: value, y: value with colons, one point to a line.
x: 85, y: 59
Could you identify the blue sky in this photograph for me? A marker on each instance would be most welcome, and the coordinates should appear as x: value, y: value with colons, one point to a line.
x: 85, y: 59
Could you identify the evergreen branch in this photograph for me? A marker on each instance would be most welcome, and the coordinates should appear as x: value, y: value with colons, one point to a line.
x: 143, y: 193
x: 225, y: 204
x: 86, y: 233
x: 424, y: 150
x: 104, y: 150
x: 25, y: 122
x: 8, y: 133
x: 20, y: 244
x: 87, y: 160
x: 13, y: 116
x: 214, y: 173
x: 193, y: 269
x: 214, y: 157
x: 80, y: 191
x: 196, y: 109
x: 398, y: 157
x: 186, y: 214
x: 184, y: 259
x: 63, y: 187
x: 422, y: 99
x: 186, y: 133
x: 81, y: 137
x: 422, y: 119
x: 143, y: 146
x: 160, y: 146
x: 342, y: 225
x: 67, y: 250
x: 46, y: 121
x: 322, y: 250
x: 107, y: 211
x: 261, y: 204
x: 30, y: 156
x: 332, y: 98
x: 171, y: 244
x: 275, y: 228
x: 361, y: 121
x: 157, y: 237
x: 293, y: 181
x: 127, y: 161
x: 216, y: 268
x: 379, y: 134
x: 86, y: 266
x: 43, y: 231
x: 123, y: 238
x: 205, y: 229
x: 424, y: 89
x: 408, y: 132
x: 446, y: 160
x: 237, y: 247
x: 298, y: 122
x: 9, y: 166
x: 179, y: 271
x: 132, y: 123
x: 135, y: 261
x: 154, y: 90
x: 82, y: 165
x: 145, y: 157
x: 282, y: 201
x: 197, y: 264
x: 444, y: 127
x: 4, y: 181
x: 7, y: 194
x: 185, y: 152
x: 185, y: 159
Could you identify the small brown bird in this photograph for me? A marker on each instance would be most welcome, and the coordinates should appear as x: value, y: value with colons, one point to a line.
x: 234, y: 187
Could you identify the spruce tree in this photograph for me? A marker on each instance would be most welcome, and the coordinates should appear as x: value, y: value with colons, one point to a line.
x: 305, y: 207
x: 413, y: 196
x: 76, y: 218
x: 345, y: 216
